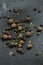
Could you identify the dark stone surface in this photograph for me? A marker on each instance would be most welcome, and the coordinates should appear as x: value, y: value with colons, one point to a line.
x: 28, y: 58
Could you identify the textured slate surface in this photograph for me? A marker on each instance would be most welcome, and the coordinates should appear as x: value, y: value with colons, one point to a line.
x: 28, y: 58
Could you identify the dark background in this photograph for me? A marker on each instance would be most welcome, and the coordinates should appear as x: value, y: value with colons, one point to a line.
x: 28, y: 58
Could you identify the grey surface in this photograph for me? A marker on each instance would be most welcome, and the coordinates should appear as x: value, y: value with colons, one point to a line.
x: 28, y: 58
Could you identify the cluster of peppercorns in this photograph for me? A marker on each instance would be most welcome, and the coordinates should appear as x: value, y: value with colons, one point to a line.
x: 6, y: 36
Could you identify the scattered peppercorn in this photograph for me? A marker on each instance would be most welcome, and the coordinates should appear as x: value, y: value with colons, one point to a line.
x: 19, y: 45
x: 19, y: 50
x: 6, y: 32
x: 29, y: 33
x: 21, y: 42
x: 13, y: 25
x: 9, y: 37
x: 39, y: 29
x: 4, y: 36
x: 19, y: 28
x: 29, y: 46
x: 28, y: 19
x: 10, y: 21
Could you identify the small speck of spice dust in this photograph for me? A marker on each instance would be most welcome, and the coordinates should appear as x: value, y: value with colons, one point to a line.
x: 41, y: 25
x: 18, y: 13
x: 10, y: 10
x: 23, y: 31
x: 39, y: 11
x: 38, y: 33
x: 42, y: 43
x: 31, y: 24
x: 34, y: 9
x: 10, y: 53
x: 29, y: 41
x: 0, y: 17
x: 38, y: 53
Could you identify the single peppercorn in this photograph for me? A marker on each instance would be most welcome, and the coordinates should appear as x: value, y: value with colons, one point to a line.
x: 39, y: 29
x: 29, y: 33
x: 28, y: 19
x: 19, y: 27
x: 10, y: 21
x: 29, y: 46
x: 21, y: 42
x: 19, y: 45
x: 20, y: 50
x: 13, y: 25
